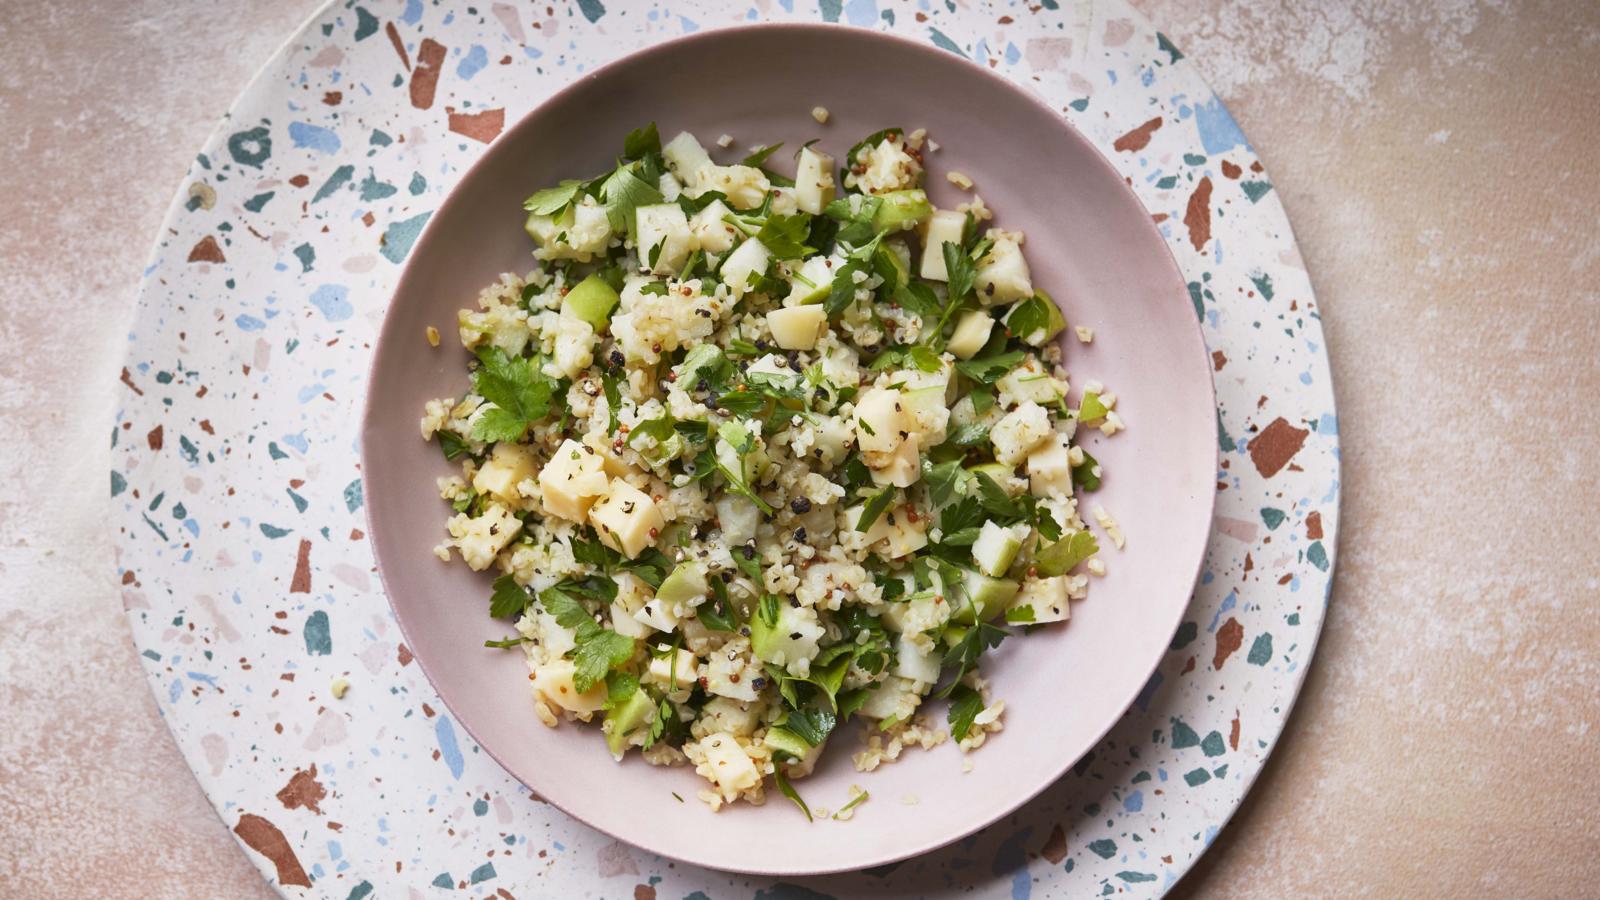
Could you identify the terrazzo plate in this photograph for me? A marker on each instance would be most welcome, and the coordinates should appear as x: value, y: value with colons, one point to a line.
x: 1090, y: 244
x: 237, y: 495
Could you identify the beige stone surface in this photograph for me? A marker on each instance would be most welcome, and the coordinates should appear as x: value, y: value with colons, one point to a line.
x: 1438, y: 158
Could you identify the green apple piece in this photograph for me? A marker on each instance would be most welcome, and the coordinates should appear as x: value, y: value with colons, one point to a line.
x: 797, y: 327
x: 813, y: 181
x: 590, y: 300
x: 1003, y: 273
x: 996, y: 547
x: 700, y: 359
x: 901, y: 210
x: 1036, y: 320
x: 1040, y: 600
x: 812, y: 283
x: 781, y: 739
x: 625, y: 719
x: 896, y: 256
x: 792, y: 634
x: 945, y: 226
x: 915, y: 663
x: 686, y: 158
x: 748, y: 259
x: 1091, y: 410
x: 988, y: 597
x: 953, y: 634
x: 685, y: 584
x: 971, y: 333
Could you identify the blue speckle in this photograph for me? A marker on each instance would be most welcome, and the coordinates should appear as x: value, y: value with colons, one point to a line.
x: 413, y: 13
x: 1328, y: 424
x: 448, y: 749
x: 472, y: 63
x: 297, y: 441
x: 313, y: 137
x: 443, y: 880
x: 332, y: 300
x: 399, y: 237
x: 1228, y: 603
x: 861, y: 13
x: 483, y: 873
x: 1134, y: 802
x: 1218, y: 131
x: 829, y: 9
x: 943, y: 42
x: 480, y: 807
x: 1013, y: 55
x: 1305, y: 377
x: 175, y: 691
x: 690, y: 26
x: 203, y: 678
x: 249, y: 323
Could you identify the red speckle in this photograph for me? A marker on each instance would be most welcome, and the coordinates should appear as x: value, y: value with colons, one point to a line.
x: 1275, y: 445
x: 425, y: 77
x: 1197, y: 217
x: 301, y: 582
x: 1139, y: 138
x: 482, y: 126
x: 154, y: 438
x: 1229, y: 638
x: 207, y: 251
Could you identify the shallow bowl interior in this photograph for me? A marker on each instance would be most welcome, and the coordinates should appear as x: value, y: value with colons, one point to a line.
x: 1089, y: 243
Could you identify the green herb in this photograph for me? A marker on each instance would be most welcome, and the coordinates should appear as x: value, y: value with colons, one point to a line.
x: 994, y: 497
x: 675, y: 794
x: 608, y: 382
x: 788, y: 791
x: 970, y: 435
x: 1029, y: 316
x: 719, y: 613
x: 620, y: 687
x: 810, y: 725
x: 917, y: 297
x: 965, y: 704
x: 651, y: 565
x: 519, y: 391
x: 598, y: 651
x: 750, y: 567
x: 641, y: 141
x: 1083, y: 474
x: 623, y: 192
x: 875, y: 507
x: 1020, y: 614
x: 855, y: 801
x: 962, y: 272
x: 553, y: 201
x: 465, y: 501
x: 506, y: 643
x: 658, y: 727
x: 850, y: 702
x: 842, y: 291
x: 767, y: 609
x: 1066, y: 554
x: 988, y: 370
x: 965, y: 652
x: 755, y: 159
x: 744, y: 404
x: 944, y: 481
x: 451, y: 444
x: 509, y: 598
x: 785, y: 236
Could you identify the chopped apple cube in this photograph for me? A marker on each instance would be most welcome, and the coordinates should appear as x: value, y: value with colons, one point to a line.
x: 971, y: 333
x: 944, y: 226
x: 813, y: 181
x: 797, y: 327
x: 662, y: 238
x: 880, y: 421
x: 749, y: 259
x: 730, y: 767
x: 1050, y: 469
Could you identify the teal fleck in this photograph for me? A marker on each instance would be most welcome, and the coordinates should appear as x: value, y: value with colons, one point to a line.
x: 1136, y: 877
x: 1142, y: 777
x: 152, y: 655
x: 1197, y: 777
x: 307, y: 256
x: 443, y: 880
x: 1261, y: 650
x: 399, y: 237
x: 1080, y: 104
x: 483, y: 873
x: 1224, y: 439
x: 830, y: 9
x: 1185, y: 635
x: 194, y: 203
x: 163, y: 377
x: 338, y: 179
x: 1294, y: 619
x: 1194, y: 159
x: 1318, y: 555
x: 299, y: 501
x: 1166, y: 47
x: 273, y: 531
x: 592, y: 10
x: 353, y: 497
x: 118, y: 483
x: 178, y: 512
x: 319, y: 642
x: 1167, y: 183
x: 697, y: 895
x: 1183, y: 736
x: 1048, y: 4
x: 944, y: 43
x: 256, y: 203
x: 480, y: 807
x: 1255, y: 190
x: 373, y: 189
x: 252, y: 147
x: 1197, y: 300
x: 274, y: 452
x: 366, y: 26
x: 418, y: 184
x: 1220, y: 772
x: 1105, y: 848
x: 1263, y: 283
x: 360, y: 891
x: 1213, y: 745
x: 380, y: 138
x: 187, y: 449
x: 151, y: 522
x: 155, y: 501
x: 1272, y: 517
x: 784, y: 890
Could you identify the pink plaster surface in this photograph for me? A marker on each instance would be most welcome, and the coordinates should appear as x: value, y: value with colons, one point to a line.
x: 1437, y: 159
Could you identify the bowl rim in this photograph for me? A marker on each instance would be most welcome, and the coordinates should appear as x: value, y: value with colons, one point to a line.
x: 384, y: 343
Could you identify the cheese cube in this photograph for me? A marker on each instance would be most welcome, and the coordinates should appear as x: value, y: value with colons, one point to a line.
x: 880, y: 421
x: 571, y: 480
x: 480, y: 539
x: 1049, y: 469
x: 626, y: 519
x: 944, y: 226
x: 797, y: 327
x: 901, y: 468
x: 661, y: 672
x: 813, y: 181
x: 971, y: 333
x: 503, y: 471
x: 1021, y: 430
x: 661, y: 232
x: 553, y: 682
x: 727, y: 763
x: 906, y: 535
x: 744, y: 186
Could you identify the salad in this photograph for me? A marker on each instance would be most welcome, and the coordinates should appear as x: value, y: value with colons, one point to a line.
x: 755, y: 455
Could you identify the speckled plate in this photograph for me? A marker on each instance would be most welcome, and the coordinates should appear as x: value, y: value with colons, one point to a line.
x: 1090, y: 244
x: 237, y: 492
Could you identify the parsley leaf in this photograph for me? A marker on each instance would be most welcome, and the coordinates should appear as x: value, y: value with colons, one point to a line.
x: 785, y: 236
x: 1066, y: 554
x: 968, y: 513
x: 842, y: 291
x: 965, y: 704
x: 943, y: 480
x: 994, y: 497
x: 509, y: 599
x: 507, y: 643
x: 553, y: 200
x: 788, y: 791
x: 719, y: 614
x: 613, y: 396
x: 1083, y: 475
x: 641, y: 141
x: 620, y: 686
x: 519, y: 391
x: 810, y: 725
x: 988, y: 370
x: 875, y: 507
x: 622, y: 192
x: 760, y: 156
x: 964, y: 654
x: 960, y: 268
x: 452, y: 445
x: 603, y: 651
x: 970, y: 435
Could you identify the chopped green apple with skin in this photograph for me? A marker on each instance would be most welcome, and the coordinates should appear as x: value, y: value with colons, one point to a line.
x: 927, y: 413
x: 880, y: 421
x: 1091, y: 410
x: 902, y: 210
x: 1040, y: 600
x: 812, y: 282
x: 797, y: 327
x: 626, y: 519
x: 686, y: 158
x: 971, y: 333
x: 711, y: 230
x: 985, y: 597
x: 790, y: 636
x: 590, y: 300
x: 997, y: 546
x: 813, y: 181
x: 1003, y: 272
x: 749, y: 258
x: 635, y: 712
x: 1001, y: 475
x: 915, y: 663
x: 944, y: 226
x: 662, y: 237
x: 685, y: 586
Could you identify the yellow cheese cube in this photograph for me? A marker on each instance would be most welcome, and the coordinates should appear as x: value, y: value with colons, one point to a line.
x: 571, y: 480
x: 626, y: 519
x: 553, y: 682
x: 507, y: 467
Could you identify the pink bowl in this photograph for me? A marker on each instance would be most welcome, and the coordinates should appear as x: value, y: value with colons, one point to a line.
x: 1090, y: 244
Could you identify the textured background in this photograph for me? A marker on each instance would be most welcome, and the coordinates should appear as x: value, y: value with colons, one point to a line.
x: 1438, y: 160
